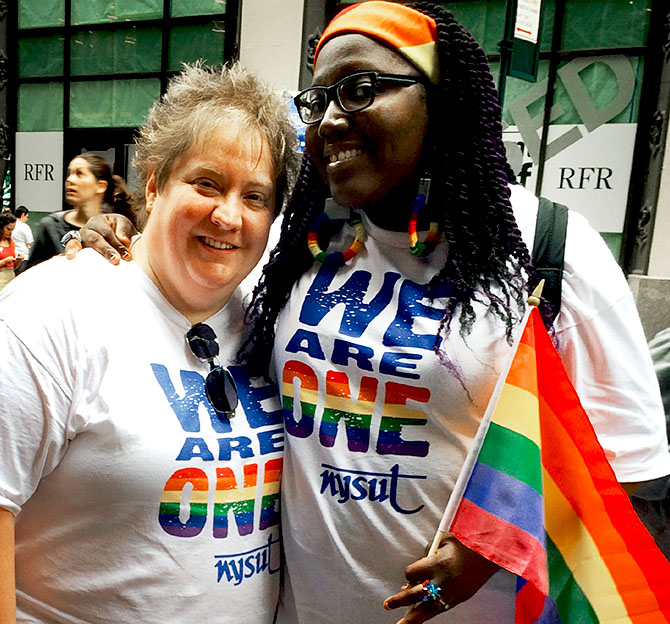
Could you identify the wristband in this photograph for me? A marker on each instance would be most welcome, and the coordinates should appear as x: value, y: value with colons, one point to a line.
x: 69, y: 235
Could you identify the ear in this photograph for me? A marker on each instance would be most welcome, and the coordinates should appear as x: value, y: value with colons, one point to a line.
x: 102, y: 187
x: 150, y: 191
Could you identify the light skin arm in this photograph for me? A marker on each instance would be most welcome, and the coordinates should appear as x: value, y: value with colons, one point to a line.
x: 7, y: 576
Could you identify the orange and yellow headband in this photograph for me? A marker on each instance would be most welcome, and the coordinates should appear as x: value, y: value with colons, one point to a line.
x: 411, y: 33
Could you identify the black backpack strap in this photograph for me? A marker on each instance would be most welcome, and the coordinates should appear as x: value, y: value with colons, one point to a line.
x: 549, y: 249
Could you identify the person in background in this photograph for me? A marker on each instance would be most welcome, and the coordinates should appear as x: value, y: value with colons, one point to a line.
x: 91, y: 189
x: 652, y: 500
x: 22, y: 236
x: 10, y: 259
x: 139, y: 469
x: 659, y: 347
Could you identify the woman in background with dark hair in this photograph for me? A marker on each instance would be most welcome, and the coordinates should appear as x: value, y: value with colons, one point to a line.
x: 91, y: 189
x: 9, y: 258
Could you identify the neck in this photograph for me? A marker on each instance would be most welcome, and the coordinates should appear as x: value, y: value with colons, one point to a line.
x: 394, y: 214
x: 79, y: 215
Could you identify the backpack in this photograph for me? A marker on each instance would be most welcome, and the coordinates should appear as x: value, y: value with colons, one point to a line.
x: 548, y: 251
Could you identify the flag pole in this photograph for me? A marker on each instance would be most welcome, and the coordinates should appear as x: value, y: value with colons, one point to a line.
x: 475, y: 447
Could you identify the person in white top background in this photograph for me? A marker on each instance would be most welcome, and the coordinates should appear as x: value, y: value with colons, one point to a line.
x: 22, y: 236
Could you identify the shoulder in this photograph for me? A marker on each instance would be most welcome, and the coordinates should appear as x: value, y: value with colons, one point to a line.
x: 592, y: 278
x: 59, y: 285
x: 20, y: 229
x: 53, y: 218
x: 54, y: 224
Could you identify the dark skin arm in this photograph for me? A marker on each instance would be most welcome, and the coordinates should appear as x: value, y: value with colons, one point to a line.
x: 108, y: 234
x: 457, y: 570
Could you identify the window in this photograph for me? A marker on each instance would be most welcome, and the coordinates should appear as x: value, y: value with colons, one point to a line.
x: 579, y: 153
x: 105, y: 63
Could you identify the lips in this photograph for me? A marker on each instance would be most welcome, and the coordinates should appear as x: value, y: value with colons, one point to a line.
x: 210, y: 242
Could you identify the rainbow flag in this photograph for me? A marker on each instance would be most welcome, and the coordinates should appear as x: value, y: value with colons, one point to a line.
x: 538, y: 497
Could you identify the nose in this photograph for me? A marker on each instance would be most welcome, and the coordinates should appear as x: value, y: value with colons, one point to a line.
x: 334, y: 121
x: 227, y: 213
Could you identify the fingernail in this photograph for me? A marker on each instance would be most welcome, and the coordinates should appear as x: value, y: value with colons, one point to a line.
x: 386, y: 605
x: 125, y: 254
x: 405, y: 586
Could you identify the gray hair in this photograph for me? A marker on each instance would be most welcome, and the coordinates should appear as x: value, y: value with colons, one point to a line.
x: 198, y: 100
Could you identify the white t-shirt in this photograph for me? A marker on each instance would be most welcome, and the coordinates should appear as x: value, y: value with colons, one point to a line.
x: 377, y: 429
x: 22, y: 237
x: 134, y: 500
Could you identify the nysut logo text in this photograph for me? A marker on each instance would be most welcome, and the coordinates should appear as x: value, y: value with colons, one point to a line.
x: 357, y: 485
x: 235, y: 568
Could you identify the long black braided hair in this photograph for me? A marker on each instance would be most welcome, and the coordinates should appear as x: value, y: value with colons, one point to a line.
x: 487, y: 259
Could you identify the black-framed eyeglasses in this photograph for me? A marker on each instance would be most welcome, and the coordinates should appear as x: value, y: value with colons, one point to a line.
x: 352, y: 94
x: 219, y: 383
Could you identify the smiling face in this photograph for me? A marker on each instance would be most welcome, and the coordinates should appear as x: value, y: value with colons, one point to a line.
x: 209, y: 224
x: 81, y: 186
x: 369, y: 159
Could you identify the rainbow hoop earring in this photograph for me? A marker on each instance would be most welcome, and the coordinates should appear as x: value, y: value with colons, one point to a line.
x: 417, y: 248
x: 336, y: 258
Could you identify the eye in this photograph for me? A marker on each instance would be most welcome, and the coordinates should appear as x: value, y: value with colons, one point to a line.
x: 357, y: 91
x: 313, y: 102
x: 206, y: 186
x: 256, y: 199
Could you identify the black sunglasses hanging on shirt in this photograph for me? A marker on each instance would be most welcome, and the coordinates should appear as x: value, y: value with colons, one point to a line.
x: 219, y: 383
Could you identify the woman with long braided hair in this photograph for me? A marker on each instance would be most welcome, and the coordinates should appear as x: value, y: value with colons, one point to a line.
x: 387, y: 311
x: 387, y: 347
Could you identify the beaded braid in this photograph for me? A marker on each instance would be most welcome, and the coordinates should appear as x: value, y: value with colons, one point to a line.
x: 486, y: 255
x: 287, y: 262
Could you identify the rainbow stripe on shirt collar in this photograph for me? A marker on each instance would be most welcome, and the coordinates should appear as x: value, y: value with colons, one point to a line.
x: 411, y: 33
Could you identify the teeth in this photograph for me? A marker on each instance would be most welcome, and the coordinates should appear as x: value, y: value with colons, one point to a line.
x: 345, y: 155
x: 212, y: 243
